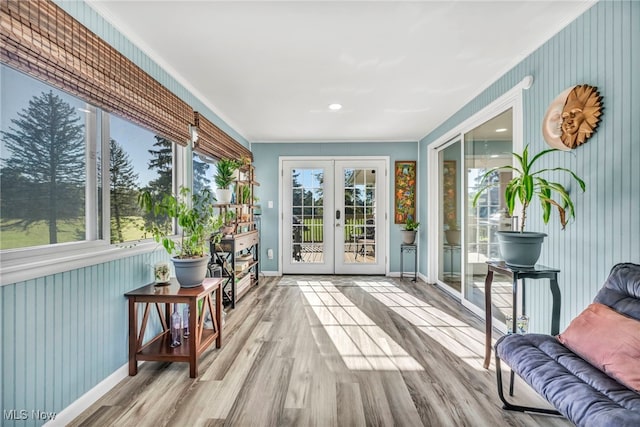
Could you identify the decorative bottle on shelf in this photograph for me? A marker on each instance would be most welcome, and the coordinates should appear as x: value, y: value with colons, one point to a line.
x: 185, y: 319
x: 176, y: 327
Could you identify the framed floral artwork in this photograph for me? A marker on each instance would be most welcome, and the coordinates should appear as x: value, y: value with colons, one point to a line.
x: 405, y: 191
x: 449, y: 196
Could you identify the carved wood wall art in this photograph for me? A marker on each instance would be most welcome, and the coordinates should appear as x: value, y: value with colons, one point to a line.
x: 572, y: 117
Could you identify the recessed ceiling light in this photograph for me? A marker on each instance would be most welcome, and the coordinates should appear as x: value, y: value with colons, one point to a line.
x: 335, y: 107
x: 501, y: 130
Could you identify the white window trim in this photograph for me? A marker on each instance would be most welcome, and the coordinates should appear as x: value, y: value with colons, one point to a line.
x: 29, y: 263
x: 510, y: 99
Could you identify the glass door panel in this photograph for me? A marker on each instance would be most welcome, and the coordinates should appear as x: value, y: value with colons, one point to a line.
x: 359, y: 220
x: 333, y: 217
x: 360, y: 217
x: 307, y: 245
x: 450, y: 254
x: 485, y: 147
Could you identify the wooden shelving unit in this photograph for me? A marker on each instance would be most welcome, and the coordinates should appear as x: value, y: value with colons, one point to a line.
x: 239, y: 251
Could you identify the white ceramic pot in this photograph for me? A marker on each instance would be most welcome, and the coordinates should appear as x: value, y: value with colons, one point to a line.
x: 408, y: 236
x: 223, y: 195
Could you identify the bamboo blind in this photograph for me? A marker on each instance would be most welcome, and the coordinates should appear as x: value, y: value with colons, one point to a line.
x: 216, y: 143
x: 42, y: 40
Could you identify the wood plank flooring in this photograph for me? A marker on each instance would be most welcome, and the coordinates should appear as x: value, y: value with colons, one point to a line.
x: 327, y: 351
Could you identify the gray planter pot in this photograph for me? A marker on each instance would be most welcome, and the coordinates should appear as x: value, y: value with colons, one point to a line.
x: 520, y: 249
x: 408, y: 236
x: 452, y: 236
x: 190, y: 272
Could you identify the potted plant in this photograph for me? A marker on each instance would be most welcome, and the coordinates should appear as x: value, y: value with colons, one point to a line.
x: 228, y: 226
x: 197, y: 221
x: 452, y: 233
x: 522, y: 248
x: 224, y: 177
x: 409, y: 231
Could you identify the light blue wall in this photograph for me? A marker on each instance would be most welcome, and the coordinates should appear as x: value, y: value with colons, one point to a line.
x: 600, y: 48
x: 266, y: 161
x: 63, y: 334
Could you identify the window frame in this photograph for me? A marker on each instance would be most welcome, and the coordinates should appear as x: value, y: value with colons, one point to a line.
x: 21, y: 264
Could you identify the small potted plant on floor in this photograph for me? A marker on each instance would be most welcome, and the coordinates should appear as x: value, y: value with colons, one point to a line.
x: 409, y: 231
x: 198, y: 223
x: 522, y: 248
x: 224, y: 177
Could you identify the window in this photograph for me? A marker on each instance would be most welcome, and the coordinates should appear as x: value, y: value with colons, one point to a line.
x: 202, y: 172
x: 46, y: 135
x: 139, y: 161
x: 51, y: 159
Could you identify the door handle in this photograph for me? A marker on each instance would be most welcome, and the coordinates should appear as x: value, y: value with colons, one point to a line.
x: 338, y: 214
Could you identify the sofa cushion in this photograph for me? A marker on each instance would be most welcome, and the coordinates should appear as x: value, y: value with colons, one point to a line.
x: 582, y: 393
x: 608, y: 340
x: 621, y: 290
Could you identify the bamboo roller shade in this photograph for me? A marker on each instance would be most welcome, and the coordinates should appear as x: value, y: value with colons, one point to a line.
x: 44, y: 41
x: 216, y: 143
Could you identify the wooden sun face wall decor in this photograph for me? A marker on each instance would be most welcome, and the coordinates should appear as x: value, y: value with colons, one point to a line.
x: 572, y: 117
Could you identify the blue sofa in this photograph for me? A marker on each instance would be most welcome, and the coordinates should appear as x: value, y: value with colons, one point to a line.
x: 582, y: 393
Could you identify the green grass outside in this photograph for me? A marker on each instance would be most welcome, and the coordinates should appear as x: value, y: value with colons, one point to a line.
x: 37, y: 234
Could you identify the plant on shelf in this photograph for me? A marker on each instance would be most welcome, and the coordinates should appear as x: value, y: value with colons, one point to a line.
x: 224, y: 177
x: 197, y: 221
x: 527, y: 184
x: 409, y: 231
x: 244, y: 195
x: 228, y: 226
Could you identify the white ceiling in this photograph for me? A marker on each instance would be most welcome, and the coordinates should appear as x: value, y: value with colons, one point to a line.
x: 271, y: 68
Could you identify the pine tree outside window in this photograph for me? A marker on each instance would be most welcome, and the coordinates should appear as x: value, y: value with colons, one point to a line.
x: 52, y: 154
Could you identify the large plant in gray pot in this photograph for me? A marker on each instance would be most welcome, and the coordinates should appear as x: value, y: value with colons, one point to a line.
x: 198, y: 224
x: 522, y: 248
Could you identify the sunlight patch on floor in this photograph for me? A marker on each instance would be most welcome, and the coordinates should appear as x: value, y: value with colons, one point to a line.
x: 463, y: 340
x: 359, y: 341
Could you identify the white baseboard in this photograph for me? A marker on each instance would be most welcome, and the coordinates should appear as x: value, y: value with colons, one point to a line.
x: 270, y: 273
x: 72, y: 411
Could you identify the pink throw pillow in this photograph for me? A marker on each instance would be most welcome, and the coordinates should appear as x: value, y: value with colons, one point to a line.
x: 608, y: 340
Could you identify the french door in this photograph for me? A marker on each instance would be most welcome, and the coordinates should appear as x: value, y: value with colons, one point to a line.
x: 333, y: 217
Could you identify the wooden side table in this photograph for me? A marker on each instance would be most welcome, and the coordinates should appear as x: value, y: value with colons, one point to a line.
x: 536, y: 272
x: 158, y: 348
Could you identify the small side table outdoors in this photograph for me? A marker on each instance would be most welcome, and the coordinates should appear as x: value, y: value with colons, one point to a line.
x: 536, y: 272
x: 409, y: 247
x: 158, y: 348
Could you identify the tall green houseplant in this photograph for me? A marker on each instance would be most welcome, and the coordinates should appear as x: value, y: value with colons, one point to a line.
x: 198, y: 224
x: 224, y: 177
x: 527, y: 184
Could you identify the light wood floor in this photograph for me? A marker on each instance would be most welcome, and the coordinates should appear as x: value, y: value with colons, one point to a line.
x: 327, y: 351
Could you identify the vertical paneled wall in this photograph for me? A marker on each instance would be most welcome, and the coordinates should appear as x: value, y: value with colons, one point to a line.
x: 601, y: 48
x: 60, y: 335
x: 63, y: 334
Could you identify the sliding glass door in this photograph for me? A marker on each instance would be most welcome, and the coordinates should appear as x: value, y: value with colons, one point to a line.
x: 466, y: 233
x: 485, y: 147
x: 450, y: 254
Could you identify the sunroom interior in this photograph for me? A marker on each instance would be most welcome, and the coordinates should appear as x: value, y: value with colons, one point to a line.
x: 346, y: 323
